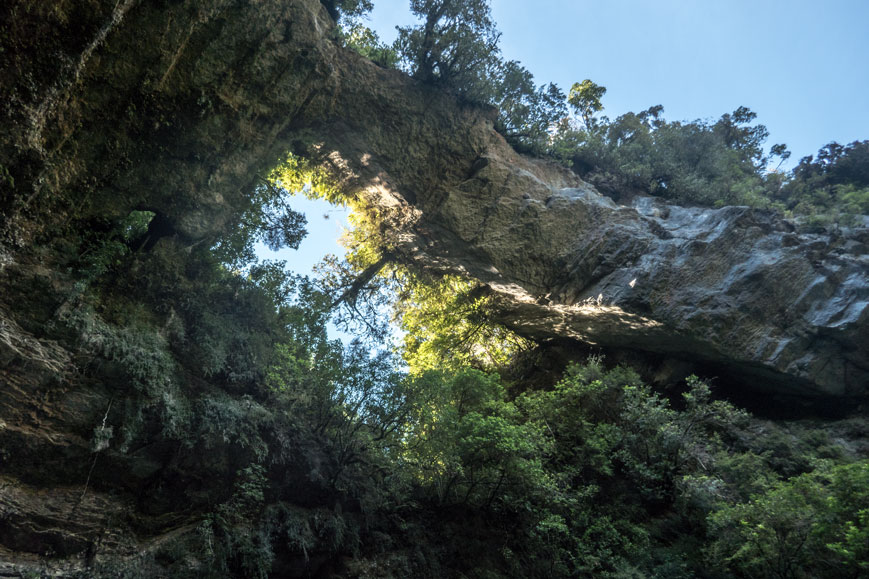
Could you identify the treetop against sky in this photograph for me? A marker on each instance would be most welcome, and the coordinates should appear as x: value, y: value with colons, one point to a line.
x: 799, y: 65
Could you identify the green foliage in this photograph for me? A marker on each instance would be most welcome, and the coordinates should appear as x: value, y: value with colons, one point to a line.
x: 527, y: 113
x: 719, y: 163
x: 361, y: 39
x: 617, y: 426
x: 445, y: 324
x: 226, y: 542
x: 296, y: 175
x: 578, y: 469
x: 834, y: 187
x: 853, y: 544
x: 229, y: 329
x: 593, y: 477
x: 351, y: 400
x: 286, y: 445
x: 699, y: 162
x: 445, y: 319
x: 465, y: 444
x: 208, y: 380
x: 222, y: 420
x: 267, y: 217
x: 137, y: 351
x: 585, y: 97
x: 107, y: 245
x: 455, y: 46
x: 135, y: 225
x: 813, y: 525
x: 704, y: 163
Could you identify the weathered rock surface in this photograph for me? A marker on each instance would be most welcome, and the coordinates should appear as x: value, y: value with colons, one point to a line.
x: 740, y: 289
x: 734, y: 286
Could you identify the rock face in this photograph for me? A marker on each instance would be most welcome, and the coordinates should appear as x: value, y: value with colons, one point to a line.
x: 735, y: 287
x: 178, y: 108
x: 742, y: 290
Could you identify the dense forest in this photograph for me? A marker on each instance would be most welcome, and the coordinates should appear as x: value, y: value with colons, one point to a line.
x: 240, y: 441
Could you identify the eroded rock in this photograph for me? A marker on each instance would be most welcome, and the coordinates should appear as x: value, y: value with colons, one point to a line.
x: 734, y: 286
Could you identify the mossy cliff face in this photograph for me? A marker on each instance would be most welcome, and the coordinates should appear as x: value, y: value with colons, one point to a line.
x: 172, y: 106
x: 179, y: 108
x: 110, y: 107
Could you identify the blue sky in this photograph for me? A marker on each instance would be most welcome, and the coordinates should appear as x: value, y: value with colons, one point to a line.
x: 325, y: 225
x: 802, y: 66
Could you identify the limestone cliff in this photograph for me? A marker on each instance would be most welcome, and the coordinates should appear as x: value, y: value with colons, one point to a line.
x: 217, y: 92
x: 178, y: 108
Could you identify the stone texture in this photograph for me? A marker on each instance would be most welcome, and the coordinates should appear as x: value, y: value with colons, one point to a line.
x: 742, y: 290
x: 732, y: 286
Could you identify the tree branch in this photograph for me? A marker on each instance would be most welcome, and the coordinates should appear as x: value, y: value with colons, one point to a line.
x: 351, y: 294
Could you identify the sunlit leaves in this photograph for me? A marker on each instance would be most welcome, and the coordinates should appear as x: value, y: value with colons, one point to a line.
x: 297, y: 175
x: 720, y: 163
x: 446, y: 325
x: 585, y: 97
x: 832, y: 188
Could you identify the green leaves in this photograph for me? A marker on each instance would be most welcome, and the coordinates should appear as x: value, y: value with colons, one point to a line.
x: 467, y: 445
x: 366, y: 42
x: 527, y: 113
x: 585, y: 97
x: 811, y: 525
x: 690, y: 162
x: 456, y: 45
x: 446, y: 326
x: 834, y: 188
